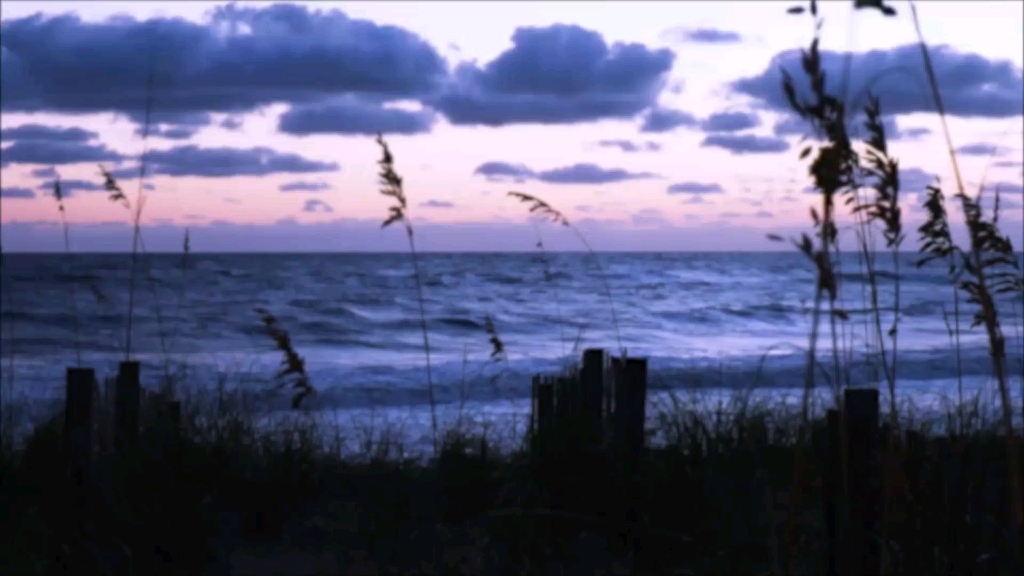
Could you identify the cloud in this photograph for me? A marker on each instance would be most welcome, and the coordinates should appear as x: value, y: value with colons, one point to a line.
x: 223, y: 162
x: 69, y: 187
x: 972, y: 85
x: 584, y: 173
x: 302, y: 186
x: 589, y: 174
x: 666, y: 119
x: 315, y: 205
x: 695, y: 188
x: 1009, y: 164
x: 914, y: 133
x: 648, y: 217
x: 745, y: 143
x: 504, y: 172
x: 56, y: 152
x: 762, y: 214
x: 437, y: 204
x: 43, y: 133
x: 45, y: 172
x: 630, y: 146
x: 1008, y: 188
x: 793, y: 125
x: 560, y: 74
x: 17, y: 192
x: 238, y: 60
x: 730, y: 122
x: 913, y: 180
x: 350, y: 116
x: 702, y: 35
x: 231, y: 123
x: 979, y: 149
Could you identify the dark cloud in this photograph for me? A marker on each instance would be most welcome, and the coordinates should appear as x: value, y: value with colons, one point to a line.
x: 55, y: 152
x: 630, y: 146
x: 17, y: 192
x: 730, y: 122
x: 972, y: 85
x: 241, y: 59
x: 504, y: 172
x: 302, y: 186
x: 762, y: 214
x: 914, y: 133
x: 317, y: 205
x: 589, y: 174
x: 1008, y: 188
x: 1009, y: 164
x: 47, y: 133
x: 556, y: 75
x: 47, y: 172
x: 745, y: 143
x: 583, y: 173
x: 703, y: 35
x: 792, y: 125
x: 695, y: 188
x: 979, y: 149
x: 437, y: 204
x: 667, y: 119
x: 913, y: 180
x: 192, y: 160
x: 351, y: 116
x: 69, y: 187
x: 231, y: 123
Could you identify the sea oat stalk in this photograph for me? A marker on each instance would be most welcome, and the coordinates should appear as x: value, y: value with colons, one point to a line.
x: 392, y: 187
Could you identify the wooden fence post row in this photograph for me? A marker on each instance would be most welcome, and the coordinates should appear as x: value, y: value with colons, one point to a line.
x: 604, y: 404
x: 77, y: 441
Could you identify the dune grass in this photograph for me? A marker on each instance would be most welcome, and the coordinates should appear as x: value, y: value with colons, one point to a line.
x: 713, y: 495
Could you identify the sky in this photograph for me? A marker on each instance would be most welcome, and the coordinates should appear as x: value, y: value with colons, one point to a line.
x: 651, y: 125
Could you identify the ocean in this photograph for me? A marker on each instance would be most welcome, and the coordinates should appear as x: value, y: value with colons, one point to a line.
x: 717, y: 322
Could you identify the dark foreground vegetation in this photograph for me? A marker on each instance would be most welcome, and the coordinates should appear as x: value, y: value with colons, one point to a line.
x: 718, y: 495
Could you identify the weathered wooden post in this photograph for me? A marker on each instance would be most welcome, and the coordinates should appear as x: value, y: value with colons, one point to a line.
x: 126, y: 406
x: 592, y: 391
x: 630, y: 405
x: 831, y: 488
x: 863, y: 480
x: 77, y: 439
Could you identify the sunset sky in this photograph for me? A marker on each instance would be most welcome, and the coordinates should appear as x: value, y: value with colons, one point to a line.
x: 652, y: 125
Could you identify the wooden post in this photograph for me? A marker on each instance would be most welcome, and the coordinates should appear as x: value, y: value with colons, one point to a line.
x: 863, y: 480
x: 592, y: 392
x: 574, y: 433
x: 126, y: 406
x: 833, y: 467
x: 77, y: 439
x: 630, y: 406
